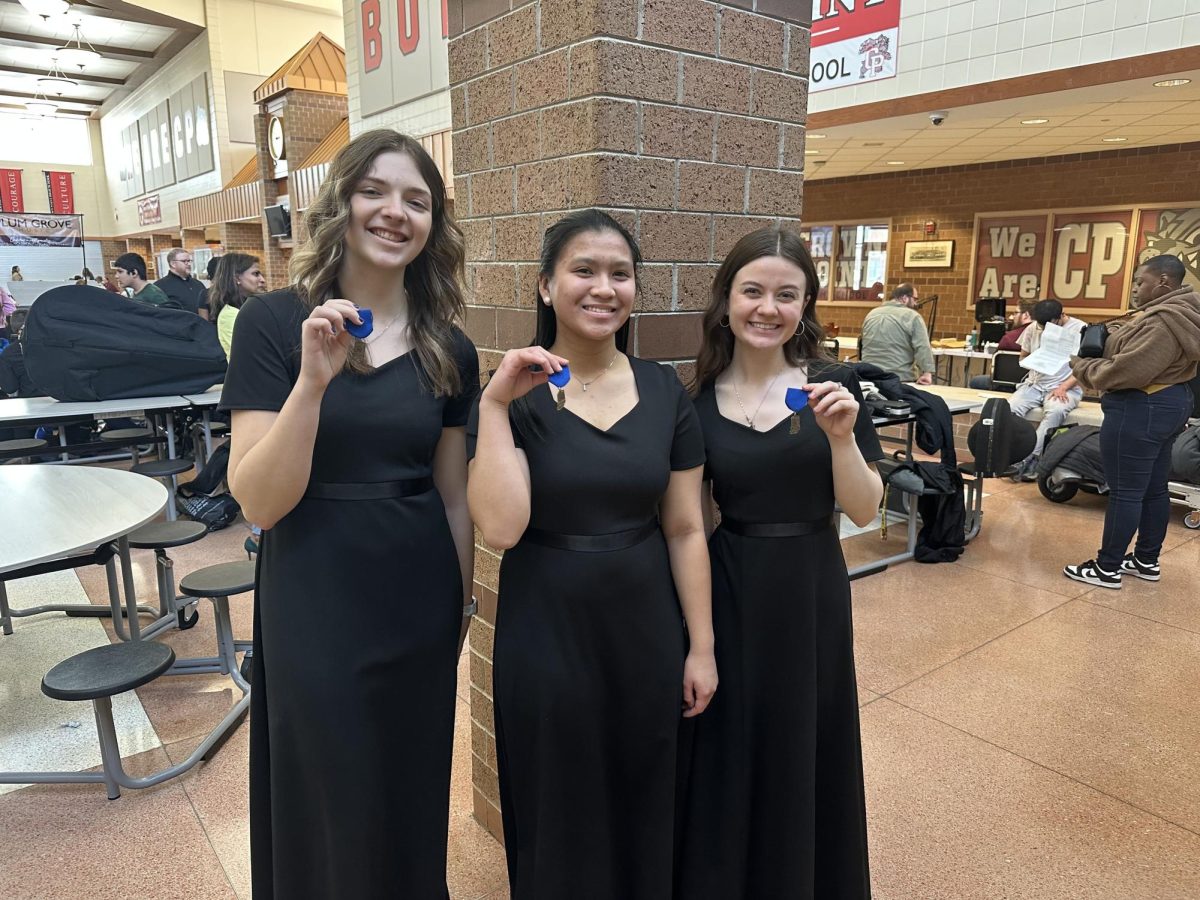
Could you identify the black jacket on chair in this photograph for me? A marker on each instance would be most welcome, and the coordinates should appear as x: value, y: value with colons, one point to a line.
x: 935, y: 425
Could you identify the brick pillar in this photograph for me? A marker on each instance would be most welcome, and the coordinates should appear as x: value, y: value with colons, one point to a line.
x: 683, y: 118
x: 142, y: 247
x: 244, y: 237
x: 110, y: 249
x: 160, y: 242
x: 193, y: 239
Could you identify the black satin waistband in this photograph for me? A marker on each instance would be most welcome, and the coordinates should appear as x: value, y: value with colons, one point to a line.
x: 368, y: 490
x: 592, y: 543
x: 775, y: 529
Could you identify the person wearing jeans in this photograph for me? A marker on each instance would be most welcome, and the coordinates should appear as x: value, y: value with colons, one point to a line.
x: 1143, y: 373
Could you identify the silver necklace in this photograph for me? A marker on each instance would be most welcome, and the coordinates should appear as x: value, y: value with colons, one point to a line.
x: 378, y: 334
x: 586, y: 384
x: 766, y: 393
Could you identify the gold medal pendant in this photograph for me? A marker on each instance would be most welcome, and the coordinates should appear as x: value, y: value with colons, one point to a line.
x: 560, y: 400
x: 794, y: 426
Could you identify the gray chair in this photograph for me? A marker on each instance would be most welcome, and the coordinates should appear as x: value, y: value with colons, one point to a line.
x: 161, y: 537
x: 218, y: 583
x: 168, y: 470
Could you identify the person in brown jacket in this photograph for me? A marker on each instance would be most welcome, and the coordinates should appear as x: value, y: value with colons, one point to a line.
x: 1143, y: 374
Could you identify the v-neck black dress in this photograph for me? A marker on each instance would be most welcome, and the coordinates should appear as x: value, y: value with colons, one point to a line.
x: 774, y: 806
x: 589, y: 652
x: 357, y: 615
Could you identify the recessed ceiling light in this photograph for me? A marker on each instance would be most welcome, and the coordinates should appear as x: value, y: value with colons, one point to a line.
x: 816, y: 136
x: 811, y: 152
x: 895, y: 162
x: 1173, y: 82
x: 1114, y: 140
x: 1034, y: 121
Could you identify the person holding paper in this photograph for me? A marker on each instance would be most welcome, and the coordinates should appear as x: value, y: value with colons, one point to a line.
x: 1046, y: 349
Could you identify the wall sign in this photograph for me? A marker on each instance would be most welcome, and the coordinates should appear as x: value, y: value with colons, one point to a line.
x: 60, y: 188
x: 158, y: 158
x: 12, y: 193
x: 191, y: 129
x: 149, y: 210
x: 1084, y: 258
x: 403, y: 46
x: 170, y: 143
x: 852, y: 42
x: 41, y: 231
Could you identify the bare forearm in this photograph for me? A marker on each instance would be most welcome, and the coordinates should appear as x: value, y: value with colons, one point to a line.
x: 463, y: 532
x: 857, y: 488
x: 271, y: 478
x: 693, y: 582
x: 497, y: 491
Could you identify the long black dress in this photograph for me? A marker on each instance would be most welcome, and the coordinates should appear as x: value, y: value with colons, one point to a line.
x: 356, y: 625
x: 774, y: 806
x: 589, y: 652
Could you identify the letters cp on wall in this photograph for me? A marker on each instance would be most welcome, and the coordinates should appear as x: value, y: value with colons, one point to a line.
x: 402, y: 52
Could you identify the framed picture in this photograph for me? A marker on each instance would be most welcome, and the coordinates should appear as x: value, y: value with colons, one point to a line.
x: 928, y: 254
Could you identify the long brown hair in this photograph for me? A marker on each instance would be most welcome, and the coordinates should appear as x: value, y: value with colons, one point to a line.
x: 716, y: 347
x: 432, y: 281
x: 224, y: 290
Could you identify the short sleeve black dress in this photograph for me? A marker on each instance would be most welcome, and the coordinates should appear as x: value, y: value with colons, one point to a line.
x: 774, y: 805
x: 357, y: 615
x: 589, y: 651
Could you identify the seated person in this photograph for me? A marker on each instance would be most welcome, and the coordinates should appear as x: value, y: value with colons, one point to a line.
x: 130, y: 270
x: 894, y: 338
x: 1010, y: 342
x: 1056, y: 394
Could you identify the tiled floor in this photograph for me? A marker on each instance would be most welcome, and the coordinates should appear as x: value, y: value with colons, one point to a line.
x: 1023, y: 736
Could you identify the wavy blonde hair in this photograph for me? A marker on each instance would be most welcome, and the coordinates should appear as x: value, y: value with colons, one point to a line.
x: 432, y: 281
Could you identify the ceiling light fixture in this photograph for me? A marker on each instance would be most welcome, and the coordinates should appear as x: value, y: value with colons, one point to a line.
x: 45, y: 8
x: 811, y: 152
x: 1114, y: 140
x: 895, y: 162
x: 1034, y: 121
x: 816, y: 136
x: 54, y: 81
x: 1170, y: 82
x: 41, y: 106
x: 75, y: 54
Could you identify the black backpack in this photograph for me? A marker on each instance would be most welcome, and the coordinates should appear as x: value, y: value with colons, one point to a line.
x: 86, y: 343
x: 215, y: 512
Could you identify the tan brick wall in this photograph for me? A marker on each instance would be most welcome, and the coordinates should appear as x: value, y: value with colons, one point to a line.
x: 952, y: 196
x: 683, y: 118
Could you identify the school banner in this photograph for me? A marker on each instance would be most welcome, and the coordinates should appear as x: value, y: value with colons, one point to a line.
x: 61, y: 191
x: 852, y: 43
x: 41, y: 231
x: 12, y: 196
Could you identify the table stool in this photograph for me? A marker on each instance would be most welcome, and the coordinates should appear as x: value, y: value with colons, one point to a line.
x: 218, y: 583
x: 131, y: 436
x: 169, y: 469
x: 24, y: 446
x: 99, y: 675
x: 160, y: 537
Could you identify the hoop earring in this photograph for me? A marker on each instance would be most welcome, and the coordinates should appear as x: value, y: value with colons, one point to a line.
x: 723, y: 321
x: 801, y: 330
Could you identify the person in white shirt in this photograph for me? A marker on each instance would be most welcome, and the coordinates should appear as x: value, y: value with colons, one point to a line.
x: 1055, y: 393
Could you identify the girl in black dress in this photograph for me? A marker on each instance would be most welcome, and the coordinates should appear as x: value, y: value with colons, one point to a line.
x: 594, y: 491
x: 351, y: 455
x: 774, y: 806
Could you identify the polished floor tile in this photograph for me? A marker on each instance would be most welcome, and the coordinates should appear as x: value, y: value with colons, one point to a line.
x: 954, y: 817
x: 37, y: 732
x: 1101, y: 696
x: 920, y: 617
x: 1175, y: 600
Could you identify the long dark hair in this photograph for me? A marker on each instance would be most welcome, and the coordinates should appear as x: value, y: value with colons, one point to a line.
x: 432, y: 281
x: 716, y: 347
x: 224, y: 290
x: 558, y: 235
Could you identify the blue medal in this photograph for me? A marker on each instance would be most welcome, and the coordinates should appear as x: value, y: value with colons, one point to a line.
x: 367, y: 326
x: 795, y: 400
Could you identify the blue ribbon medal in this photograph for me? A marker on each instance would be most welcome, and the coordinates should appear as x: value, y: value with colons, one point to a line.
x: 559, y: 380
x: 367, y: 326
x: 795, y: 400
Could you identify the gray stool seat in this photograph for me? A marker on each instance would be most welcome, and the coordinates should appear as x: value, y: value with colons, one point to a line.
x: 223, y: 580
x: 161, y: 535
x: 126, y: 434
x: 106, y: 671
x: 21, y: 444
x: 163, y: 468
x: 218, y: 427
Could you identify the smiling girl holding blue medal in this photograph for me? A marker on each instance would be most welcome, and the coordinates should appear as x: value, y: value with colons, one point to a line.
x: 774, y: 802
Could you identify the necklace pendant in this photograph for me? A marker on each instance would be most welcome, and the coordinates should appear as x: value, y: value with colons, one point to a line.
x: 560, y: 400
x: 584, y: 386
x: 794, y: 427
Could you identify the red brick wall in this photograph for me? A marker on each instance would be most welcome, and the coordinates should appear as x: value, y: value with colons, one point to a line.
x: 952, y: 196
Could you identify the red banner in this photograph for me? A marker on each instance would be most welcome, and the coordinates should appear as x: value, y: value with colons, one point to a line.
x: 61, y: 190
x: 12, y: 197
